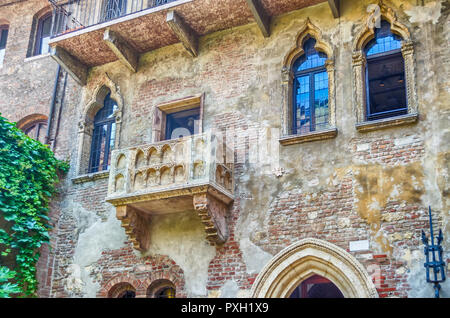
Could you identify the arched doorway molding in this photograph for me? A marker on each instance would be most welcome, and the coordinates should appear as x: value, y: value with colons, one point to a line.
x: 308, y: 257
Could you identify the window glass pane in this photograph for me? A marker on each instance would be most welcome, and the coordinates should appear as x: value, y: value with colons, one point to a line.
x: 384, y: 40
x: 44, y: 45
x: 107, y: 111
x: 103, y: 138
x: 46, y: 26
x: 303, y: 112
x: 311, y: 58
x: 111, y: 142
x: 184, y: 123
x: 3, y: 37
x: 44, y: 32
x: 321, y: 100
x: 98, y: 147
x: 387, y: 89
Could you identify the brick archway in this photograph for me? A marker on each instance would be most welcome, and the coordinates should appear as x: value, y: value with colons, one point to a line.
x: 117, y: 282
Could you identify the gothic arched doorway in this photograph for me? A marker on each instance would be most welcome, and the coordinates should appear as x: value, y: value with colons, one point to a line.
x: 311, y: 258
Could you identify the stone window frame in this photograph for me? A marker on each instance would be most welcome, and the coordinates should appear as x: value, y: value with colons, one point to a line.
x: 359, y: 64
x: 161, y: 110
x: 308, y: 30
x: 308, y: 257
x: 4, y: 25
x: 86, y: 127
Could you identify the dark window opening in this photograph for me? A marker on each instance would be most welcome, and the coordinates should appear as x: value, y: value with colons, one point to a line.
x: 103, y: 137
x: 43, y: 35
x: 385, y: 76
x: 317, y: 287
x: 167, y: 292
x: 3, y: 39
x: 310, y: 111
x: 37, y: 131
x: 183, y: 123
x: 127, y: 294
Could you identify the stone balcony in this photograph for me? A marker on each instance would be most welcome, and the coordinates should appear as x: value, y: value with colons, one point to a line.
x: 88, y: 33
x: 187, y: 175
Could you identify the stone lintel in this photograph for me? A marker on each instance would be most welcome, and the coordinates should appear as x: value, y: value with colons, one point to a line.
x: 261, y: 17
x: 136, y: 225
x: 334, y: 5
x: 185, y: 34
x: 70, y: 64
x: 124, y: 52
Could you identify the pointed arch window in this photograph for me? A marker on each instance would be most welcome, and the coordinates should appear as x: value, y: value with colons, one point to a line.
x: 310, y: 100
x: 103, y: 136
x: 385, y: 75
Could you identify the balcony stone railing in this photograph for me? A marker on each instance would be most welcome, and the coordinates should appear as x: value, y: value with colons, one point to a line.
x: 186, y: 174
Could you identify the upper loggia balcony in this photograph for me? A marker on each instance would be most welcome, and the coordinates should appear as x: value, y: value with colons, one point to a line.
x: 188, y: 174
x: 88, y: 33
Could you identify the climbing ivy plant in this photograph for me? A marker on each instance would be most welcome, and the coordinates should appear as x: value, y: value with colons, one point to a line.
x: 28, y: 175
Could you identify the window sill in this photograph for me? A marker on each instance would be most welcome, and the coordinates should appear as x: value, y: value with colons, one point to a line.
x: 313, y: 136
x: 36, y: 57
x: 91, y: 177
x: 387, y: 122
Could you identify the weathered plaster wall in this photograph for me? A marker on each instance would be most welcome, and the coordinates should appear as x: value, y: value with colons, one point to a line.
x: 372, y: 186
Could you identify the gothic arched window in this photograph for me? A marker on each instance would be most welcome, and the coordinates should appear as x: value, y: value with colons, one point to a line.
x: 113, y: 9
x: 385, y: 75
x: 103, y: 136
x: 310, y: 106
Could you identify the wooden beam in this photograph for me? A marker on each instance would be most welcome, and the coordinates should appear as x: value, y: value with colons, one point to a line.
x: 184, y: 32
x: 334, y: 6
x: 72, y: 65
x: 261, y: 17
x: 124, y: 52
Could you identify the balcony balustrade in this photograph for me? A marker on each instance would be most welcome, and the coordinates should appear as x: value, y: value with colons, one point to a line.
x: 185, y: 175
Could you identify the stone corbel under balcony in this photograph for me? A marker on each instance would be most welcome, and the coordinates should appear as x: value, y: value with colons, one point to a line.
x: 210, y: 202
x: 70, y: 64
x: 124, y: 52
x: 312, y: 136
